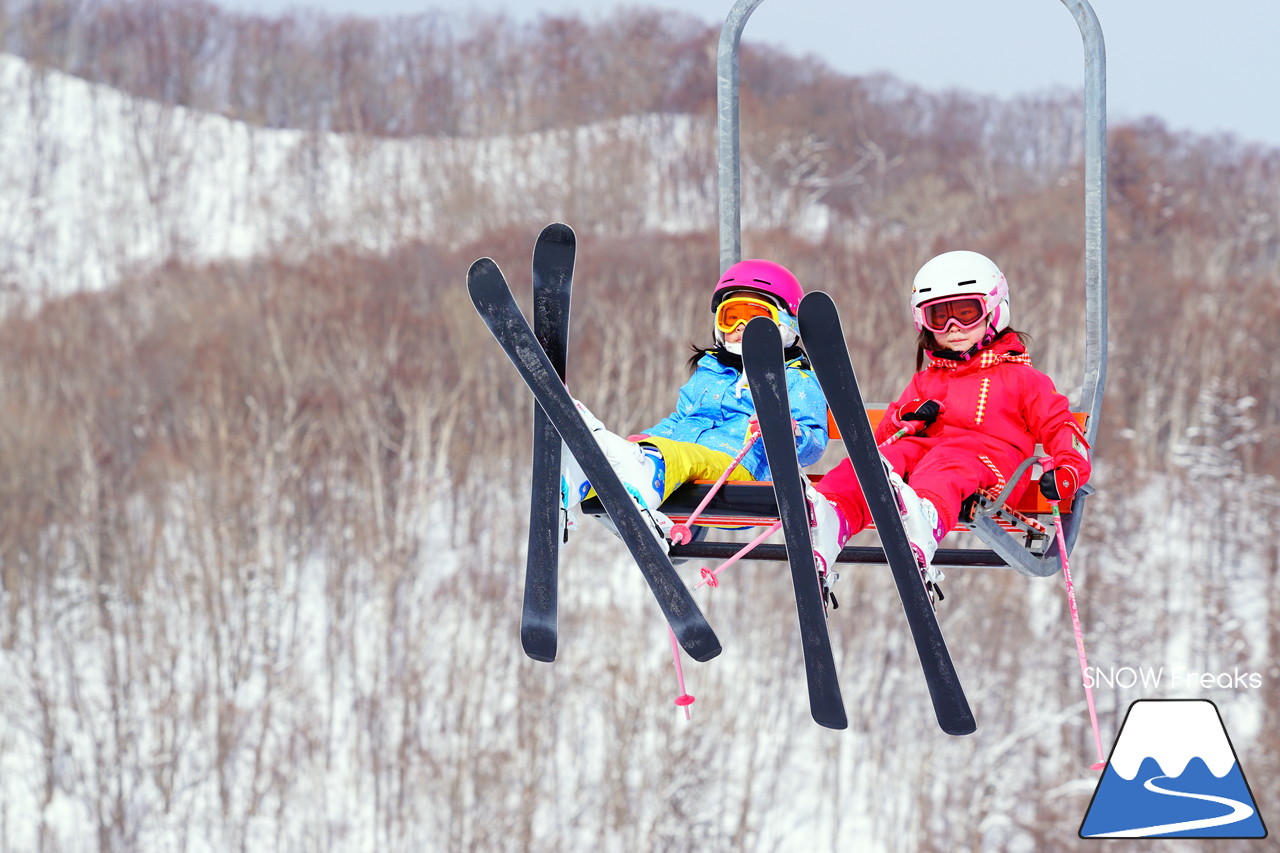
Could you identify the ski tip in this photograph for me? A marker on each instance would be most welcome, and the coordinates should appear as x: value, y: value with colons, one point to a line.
x: 481, y: 267
x: 959, y: 728
x: 839, y: 722
x: 539, y: 644
x: 702, y: 650
x: 762, y: 328
x: 559, y: 232
x: 1098, y: 766
x: 540, y: 655
x: 818, y: 298
x: 819, y: 319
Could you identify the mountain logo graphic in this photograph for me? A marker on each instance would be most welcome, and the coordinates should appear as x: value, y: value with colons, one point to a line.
x: 1173, y: 773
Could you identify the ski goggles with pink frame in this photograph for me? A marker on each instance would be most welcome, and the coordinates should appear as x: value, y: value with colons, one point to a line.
x: 965, y: 312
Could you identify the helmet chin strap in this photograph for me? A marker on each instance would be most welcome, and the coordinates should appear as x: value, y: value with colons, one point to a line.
x: 990, y: 336
x: 979, y: 346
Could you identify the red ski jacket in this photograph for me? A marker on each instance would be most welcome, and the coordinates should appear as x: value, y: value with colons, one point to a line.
x: 999, y: 400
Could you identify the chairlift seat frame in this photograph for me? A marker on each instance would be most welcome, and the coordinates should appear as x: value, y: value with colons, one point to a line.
x: 1013, y: 532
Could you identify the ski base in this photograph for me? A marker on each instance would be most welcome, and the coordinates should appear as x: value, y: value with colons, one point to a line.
x: 553, y: 259
x: 825, y: 343
x: 496, y: 305
x: 762, y: 356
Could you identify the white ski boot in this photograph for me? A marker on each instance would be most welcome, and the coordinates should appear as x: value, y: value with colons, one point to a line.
x: 920, y: 519
x: 637, y: 470
x: 825, y: 529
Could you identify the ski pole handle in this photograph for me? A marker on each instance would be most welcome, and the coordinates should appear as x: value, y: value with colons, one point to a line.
x: 909, y: 429
x: 680, y: 533
x: 897, y: 435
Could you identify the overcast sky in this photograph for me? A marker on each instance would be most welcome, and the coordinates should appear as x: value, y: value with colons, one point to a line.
x: 1207, y: 67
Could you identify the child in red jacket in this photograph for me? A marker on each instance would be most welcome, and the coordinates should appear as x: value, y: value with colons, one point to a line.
x: 975, y: 412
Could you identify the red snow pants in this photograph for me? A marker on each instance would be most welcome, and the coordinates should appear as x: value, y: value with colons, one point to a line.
x: 943, y: 471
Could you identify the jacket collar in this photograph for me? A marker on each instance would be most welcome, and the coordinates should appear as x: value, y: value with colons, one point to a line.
x: 794, y: 356
x: 1006, y: 348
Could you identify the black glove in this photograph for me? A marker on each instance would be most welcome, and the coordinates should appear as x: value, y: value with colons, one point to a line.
x: 924, y: 411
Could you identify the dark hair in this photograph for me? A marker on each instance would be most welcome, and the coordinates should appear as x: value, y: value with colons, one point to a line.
x: 926, y: 343
x: 698, y: 353
x: 735, y: 361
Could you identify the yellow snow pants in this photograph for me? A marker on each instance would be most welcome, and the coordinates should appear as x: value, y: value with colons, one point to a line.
x: 688, y: 461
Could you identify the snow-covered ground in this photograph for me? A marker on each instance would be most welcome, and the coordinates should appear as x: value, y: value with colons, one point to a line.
x: 325, y: 702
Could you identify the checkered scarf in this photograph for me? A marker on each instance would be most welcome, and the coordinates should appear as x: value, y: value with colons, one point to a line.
x: 986, y: 358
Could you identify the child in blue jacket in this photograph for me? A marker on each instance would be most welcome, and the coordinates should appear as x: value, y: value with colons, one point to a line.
x: 715, y: 413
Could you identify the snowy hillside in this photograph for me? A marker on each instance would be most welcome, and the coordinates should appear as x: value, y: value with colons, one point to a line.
x: 97, y: 183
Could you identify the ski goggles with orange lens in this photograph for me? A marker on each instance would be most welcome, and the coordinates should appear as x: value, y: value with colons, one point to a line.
x: 737, y: 310
x: 963, y: 311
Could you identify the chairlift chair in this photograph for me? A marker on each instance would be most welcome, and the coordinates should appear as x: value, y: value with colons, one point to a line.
x: 1011, y: 535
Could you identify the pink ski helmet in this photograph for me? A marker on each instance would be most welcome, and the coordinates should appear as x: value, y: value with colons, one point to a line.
x: 765, y: 277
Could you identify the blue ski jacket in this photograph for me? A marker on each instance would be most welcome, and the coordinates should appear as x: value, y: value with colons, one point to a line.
x: 715, y: 406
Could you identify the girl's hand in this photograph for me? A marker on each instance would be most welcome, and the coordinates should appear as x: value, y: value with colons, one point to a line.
x: 1059, y: 484
x: 753, y: 428
x: 918, y: 415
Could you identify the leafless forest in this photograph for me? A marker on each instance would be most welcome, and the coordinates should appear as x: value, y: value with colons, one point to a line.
x: 262, y: 519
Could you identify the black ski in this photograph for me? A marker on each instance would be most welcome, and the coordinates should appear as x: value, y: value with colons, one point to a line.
x: 824, y: 341
x: 497, y: 307
x: 762, y: 357
x: 553, y: 257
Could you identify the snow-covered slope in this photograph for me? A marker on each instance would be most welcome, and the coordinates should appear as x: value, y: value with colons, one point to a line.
x: 96, y: 183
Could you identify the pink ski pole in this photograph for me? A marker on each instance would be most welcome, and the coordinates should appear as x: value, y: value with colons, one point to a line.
x: 684, y: 700
x: 897, y: 435
x: 680, y: 533
x: 709, y: 578
x: 908, y: 429
x: 1075, y: 621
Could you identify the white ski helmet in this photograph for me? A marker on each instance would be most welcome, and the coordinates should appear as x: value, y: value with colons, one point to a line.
x: 962, y: 274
